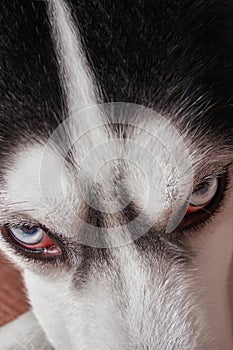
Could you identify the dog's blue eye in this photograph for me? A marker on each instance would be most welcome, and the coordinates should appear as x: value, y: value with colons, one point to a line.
x: 33, y: 239
x: 29, y: 236
x: 204, y: 193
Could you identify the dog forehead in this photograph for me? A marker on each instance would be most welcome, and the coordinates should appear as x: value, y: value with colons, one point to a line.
x: 146, y: 163
x: 149, y: 166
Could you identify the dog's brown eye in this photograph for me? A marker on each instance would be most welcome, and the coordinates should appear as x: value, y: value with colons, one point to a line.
x: 34, y: 239
x: 202, y: 195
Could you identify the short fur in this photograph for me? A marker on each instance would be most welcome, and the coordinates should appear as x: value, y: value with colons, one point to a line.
x: 111, y: 113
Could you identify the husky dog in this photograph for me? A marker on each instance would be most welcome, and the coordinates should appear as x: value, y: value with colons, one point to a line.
x: 116, y: 148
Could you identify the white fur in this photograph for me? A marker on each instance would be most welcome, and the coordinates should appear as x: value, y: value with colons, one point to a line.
x: 23, y: 333
x: 76, y: 78
x: 141, y: 300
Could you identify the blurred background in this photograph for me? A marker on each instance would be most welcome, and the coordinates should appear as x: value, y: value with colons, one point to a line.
x: 13, y: 300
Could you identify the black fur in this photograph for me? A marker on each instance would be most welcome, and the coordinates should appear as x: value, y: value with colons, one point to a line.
x: 174, y: 56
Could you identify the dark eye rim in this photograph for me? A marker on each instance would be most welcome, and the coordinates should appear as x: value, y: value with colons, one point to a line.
x: 36, y: 255
x: 199, y: 218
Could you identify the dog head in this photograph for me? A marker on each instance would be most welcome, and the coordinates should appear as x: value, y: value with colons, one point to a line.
x: 116, y: 152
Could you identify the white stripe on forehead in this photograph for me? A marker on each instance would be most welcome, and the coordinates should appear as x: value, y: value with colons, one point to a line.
x: 76, y: 77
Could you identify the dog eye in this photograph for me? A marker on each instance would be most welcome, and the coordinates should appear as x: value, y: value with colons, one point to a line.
x: 204, y: 201
x: 34, y: 239
x: 202, y: 195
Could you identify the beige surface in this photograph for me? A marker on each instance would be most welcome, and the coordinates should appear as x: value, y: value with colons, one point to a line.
x: 12, y: 296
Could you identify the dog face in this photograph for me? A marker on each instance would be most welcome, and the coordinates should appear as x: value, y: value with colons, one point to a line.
x: 116, y: 175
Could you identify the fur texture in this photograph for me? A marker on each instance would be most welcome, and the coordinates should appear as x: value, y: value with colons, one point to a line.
x: 112, y: 113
